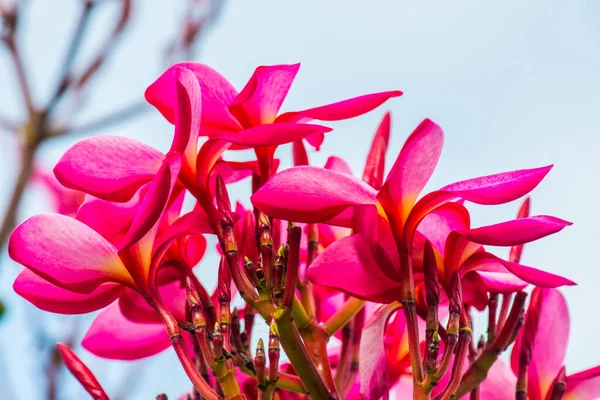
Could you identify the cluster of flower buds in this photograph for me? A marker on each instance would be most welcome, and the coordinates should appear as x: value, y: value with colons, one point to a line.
x: 358, y: 251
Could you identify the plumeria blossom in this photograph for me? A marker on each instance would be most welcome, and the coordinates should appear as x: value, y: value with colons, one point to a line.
x: 370, y: 260
x: 125, y: 248
x: 256, y: 107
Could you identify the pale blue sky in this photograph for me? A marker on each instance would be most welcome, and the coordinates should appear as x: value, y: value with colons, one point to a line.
x: 514, y: 85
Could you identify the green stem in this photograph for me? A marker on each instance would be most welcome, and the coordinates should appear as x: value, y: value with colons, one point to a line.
x: 298, y: 355
x: 343, y: 315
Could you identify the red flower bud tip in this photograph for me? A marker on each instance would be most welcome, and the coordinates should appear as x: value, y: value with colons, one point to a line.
x: 82, y: 373
x: 273, y: 352
x: 217, y: 340
x: 432, y: 286
x: 224, y: 204
x: 198, y: 318
x: 236, y: 330
x: 224, y: 281
x: 162, y: 396
x: 192, y: 293
x: 277, y: 271
x: 260, y: 363
x: 251, y: 271
x: 455, y: 297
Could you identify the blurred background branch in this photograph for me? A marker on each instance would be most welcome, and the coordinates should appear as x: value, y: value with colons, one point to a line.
x: 56, y: 117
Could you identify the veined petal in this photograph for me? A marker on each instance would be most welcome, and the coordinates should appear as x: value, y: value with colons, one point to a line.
x: 345, y: 109
x: 271, y: 134
x: 499, y: 188
x: 492, y: 189
x: 517, y: 231
x: 260, y: 100
x: 115, y: 337
x: 373, y: 374
x: 550, y: 342
x: 311, y: 194
x: 349, y: 266
x: 48, y: 297
x: 583, y: 385
x: 501, y: 282
x: 108, y: 167
x: 217, y: 93
x: 373, y: 173
x: 66, y: 252
x: 411, y: 171
x: 209, y: 154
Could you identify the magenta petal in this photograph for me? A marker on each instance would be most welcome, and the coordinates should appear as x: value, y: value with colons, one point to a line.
x: 311, y: 194
x: 114, y: 337
x: 375, y: 166
x: 154, y: 202
x: 260, y: 100
x: 111, y: 220
x: 373, y: 371
x: 499, y: 188
x: 584, y: 385
x: 187, y: 116
x: 271, y: 134
x: 412, y: 169
x: 334, y: 163
x: 517, y: 231
x: 109, y: 167
x: 48, y: 297
x: 488, y: 262
x: 341, y: 110
x: 500, y: 377
x: 550, y: 344
x: 66, y: 252
x: 349, y: 266
x: 437, y: 225
x: 217, y: 93
x: 501, y: 282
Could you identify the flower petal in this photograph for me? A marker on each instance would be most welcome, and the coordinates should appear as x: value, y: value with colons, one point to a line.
x: 260, y: 100
x: 311, y: 194
x: 48, y: 297
x: 344, y: 109
x: 115, y: 337
x: 154, y: 202
x: 517, y: 231
x: 334, y: 163
x: 492, y: 189
x: 489, y: 262
x: 109, y: 167
x: 550, y: 344
x: 271, y: 134
x: 66, y: 252
x: 584, y: 385
x: 187, y: 116
x: 517, y: 251
x: 217, y: 93
x: 499, y: 188
x: 373, y: 372
x: 373, y: 173
x: 349, y: 266
x: 411, y: 171
x: 498, y: 380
